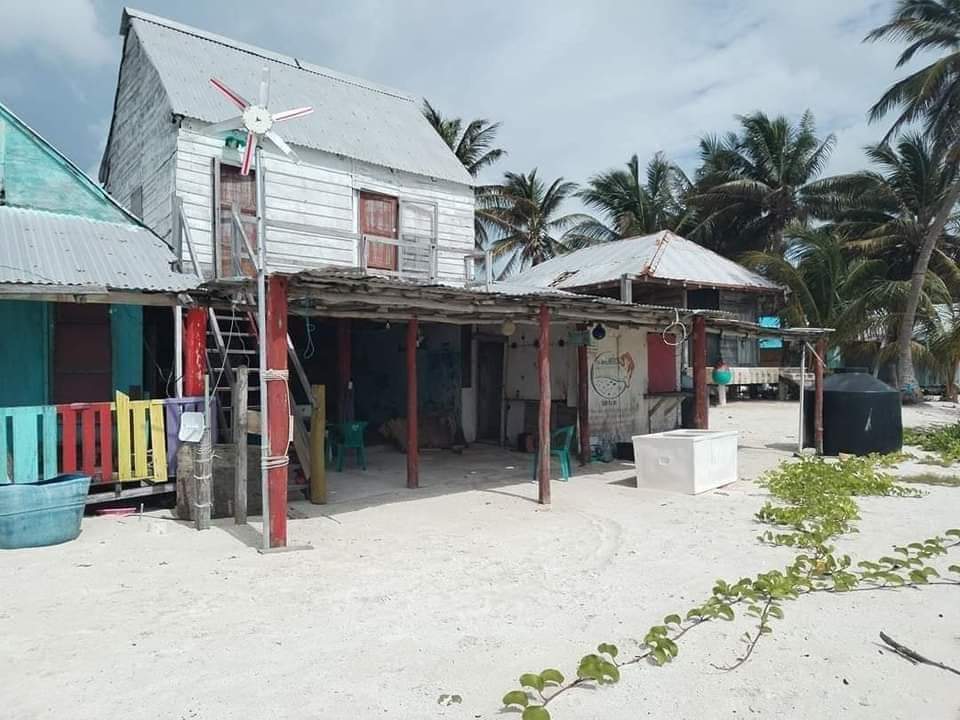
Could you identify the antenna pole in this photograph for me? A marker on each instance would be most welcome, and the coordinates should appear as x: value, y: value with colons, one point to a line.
x: 262, y: 343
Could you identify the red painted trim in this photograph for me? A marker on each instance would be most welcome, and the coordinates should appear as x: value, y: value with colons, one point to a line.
x: 543, y: 367
x: 413, y: 442
x: 88, y: 431
x: 194, y: 351
x: 106, y: 441
x: 278, y: 406
x: 69, y: 442
x: 344, y: 395
x: 698, y: 349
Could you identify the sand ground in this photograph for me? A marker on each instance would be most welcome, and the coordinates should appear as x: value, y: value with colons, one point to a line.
x: 459, y: 588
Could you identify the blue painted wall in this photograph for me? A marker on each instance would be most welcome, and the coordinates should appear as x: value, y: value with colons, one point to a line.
x: 126, y: 340
x: 25, y: 352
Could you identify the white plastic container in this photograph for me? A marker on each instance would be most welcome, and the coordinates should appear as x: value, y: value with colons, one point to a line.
x: 687, y: 461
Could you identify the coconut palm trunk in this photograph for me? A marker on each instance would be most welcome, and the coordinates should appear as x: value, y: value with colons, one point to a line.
x: 905, y: 372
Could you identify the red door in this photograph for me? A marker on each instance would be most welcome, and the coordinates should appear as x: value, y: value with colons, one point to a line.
x: 661, y: 365
x: 235, y: 189
x: 82, y: 353
x: 378, y: 216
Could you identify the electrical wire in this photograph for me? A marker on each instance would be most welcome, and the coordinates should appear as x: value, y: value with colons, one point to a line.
x: 674, y: 330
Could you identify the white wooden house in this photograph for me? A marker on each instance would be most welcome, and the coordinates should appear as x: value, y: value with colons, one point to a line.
x: 371, y: 165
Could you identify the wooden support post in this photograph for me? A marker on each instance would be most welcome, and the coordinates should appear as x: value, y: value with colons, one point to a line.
x: 241, y: 392
x: 413, y: 440
x: 194, y: 351
x: 344, y: 381
x: 543, y: 366
x: 277, y: 433
x: 701, y: 399
x: 318, y: 450
x: 818, y: 360
x: 583, y: 400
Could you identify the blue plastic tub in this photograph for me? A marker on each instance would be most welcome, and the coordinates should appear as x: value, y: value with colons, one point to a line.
x: 42, y: 513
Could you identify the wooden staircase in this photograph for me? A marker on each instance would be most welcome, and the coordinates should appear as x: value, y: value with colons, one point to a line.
x: 233, y: 341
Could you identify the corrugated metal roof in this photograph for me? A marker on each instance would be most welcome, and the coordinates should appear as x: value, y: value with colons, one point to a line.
x: 351, y: 117
x: 43, y: 248
x: 662, y: 256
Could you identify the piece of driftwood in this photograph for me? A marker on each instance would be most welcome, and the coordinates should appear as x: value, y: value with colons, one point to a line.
x: 913, y: 656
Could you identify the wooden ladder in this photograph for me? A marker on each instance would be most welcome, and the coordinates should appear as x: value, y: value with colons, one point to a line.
x: 232, y: 341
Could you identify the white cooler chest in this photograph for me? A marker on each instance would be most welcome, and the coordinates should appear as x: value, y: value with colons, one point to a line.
x: 687, y: 461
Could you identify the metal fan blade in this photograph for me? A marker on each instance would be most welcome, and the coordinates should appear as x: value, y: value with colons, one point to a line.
x: 265, y: 87
x: 282, y: 145
x: 234, y: 97
x: 248, y: 154
x: 291, y: 114
x: 234, y: 123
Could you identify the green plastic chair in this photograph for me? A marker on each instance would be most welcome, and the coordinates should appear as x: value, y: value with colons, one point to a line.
x: 560, y: 440
x: 350, y: 437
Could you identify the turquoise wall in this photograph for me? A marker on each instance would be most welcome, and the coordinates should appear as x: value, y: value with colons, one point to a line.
x: 26, y: 355
x: 25, y: 352
x: 126, y: 339
x: 34, y: 176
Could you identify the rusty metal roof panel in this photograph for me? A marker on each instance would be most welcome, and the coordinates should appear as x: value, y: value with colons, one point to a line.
x: 351, y: 117
x: 663, y: 256
x: 44, y: 248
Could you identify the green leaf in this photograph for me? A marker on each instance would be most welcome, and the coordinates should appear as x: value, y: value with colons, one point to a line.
x: 552, y: 676
x: 660, y: 656
x: 726, y: 612
x: 607, y: 648
x: 954, y: 569
x: 953, y: 532
x: 776, y: 612
x: 516, y: 697
x: 531, y: 680
x: 609, y: 672
x: 672, y: 620
x: 918, y: 576
x: 535, y: 712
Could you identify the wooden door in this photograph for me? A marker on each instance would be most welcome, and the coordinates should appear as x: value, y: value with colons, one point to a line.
x: 489, y: 389
x: 242, y: 191
x: 82, y: 353
x: 661, y: 365
x: 379, y: 216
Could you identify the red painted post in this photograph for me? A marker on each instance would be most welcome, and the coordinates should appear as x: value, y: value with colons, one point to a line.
x: 543, y: 366
x: 344, y: 362
x: 194, y: 351
x: 818, y: 395
x: 413, y: 441
x: 701, y: 399
x: 583, y: 402
x: 278, y: 406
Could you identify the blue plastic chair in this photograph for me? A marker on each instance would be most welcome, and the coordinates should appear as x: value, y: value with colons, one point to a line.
x: 560, y: 440
x: 350, y: 437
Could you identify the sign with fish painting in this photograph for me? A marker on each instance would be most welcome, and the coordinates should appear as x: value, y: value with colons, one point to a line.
x: 616, y: 386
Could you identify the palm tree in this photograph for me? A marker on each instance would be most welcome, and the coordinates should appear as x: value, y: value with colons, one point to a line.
x: 473, y: 145
x: 751, y: 185
x: 631, y: 204
x: 828, y: 286
x: 526, y: 211
x: 929, y: 97
x: 885, y: 214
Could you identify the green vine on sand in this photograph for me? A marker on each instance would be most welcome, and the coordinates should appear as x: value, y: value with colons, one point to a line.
x: 812, y: 504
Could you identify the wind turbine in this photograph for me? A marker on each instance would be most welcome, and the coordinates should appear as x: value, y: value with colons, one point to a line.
x: 258, y: 121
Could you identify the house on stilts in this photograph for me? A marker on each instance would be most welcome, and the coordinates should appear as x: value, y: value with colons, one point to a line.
x: 371, y: 289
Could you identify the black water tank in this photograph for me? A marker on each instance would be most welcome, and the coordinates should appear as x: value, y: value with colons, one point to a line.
x: 861, y: 415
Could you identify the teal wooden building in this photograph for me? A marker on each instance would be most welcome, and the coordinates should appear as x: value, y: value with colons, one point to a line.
x: 79, y: 279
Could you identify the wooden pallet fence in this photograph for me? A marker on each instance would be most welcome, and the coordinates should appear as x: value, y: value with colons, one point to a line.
x: 174, y: 408
x: 141, y: 440
x: 86, y: 431
x: 28, y: 443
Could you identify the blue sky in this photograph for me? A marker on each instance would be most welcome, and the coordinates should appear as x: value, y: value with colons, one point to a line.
x: 578, y: 87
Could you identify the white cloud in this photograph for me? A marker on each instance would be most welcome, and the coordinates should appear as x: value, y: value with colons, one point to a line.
x: 55, y: 31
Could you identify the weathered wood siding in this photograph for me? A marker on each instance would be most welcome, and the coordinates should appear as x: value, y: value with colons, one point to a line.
x: 322, y: 192
x: 142, y: 147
